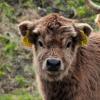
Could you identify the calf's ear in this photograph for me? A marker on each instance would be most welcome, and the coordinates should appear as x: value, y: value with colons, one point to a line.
x: 26, y: 33
x: 83, y: 31
x: 24, y: 27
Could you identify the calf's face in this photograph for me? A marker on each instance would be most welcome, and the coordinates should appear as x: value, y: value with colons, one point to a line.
x: 55, y: 41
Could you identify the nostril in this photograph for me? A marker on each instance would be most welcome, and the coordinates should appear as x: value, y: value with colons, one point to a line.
x: 53, y: 64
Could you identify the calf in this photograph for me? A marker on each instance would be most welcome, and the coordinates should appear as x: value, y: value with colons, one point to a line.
x: 66, y: 57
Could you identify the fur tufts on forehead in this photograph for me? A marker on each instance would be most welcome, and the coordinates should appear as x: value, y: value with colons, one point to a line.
x: 53, y: 23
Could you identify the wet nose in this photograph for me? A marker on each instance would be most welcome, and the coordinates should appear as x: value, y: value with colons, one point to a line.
x: 53, y: 64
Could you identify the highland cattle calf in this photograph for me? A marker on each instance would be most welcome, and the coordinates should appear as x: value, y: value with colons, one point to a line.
x: 66, y: 57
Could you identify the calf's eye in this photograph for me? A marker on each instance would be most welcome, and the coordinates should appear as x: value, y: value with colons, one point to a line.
x: 40, y: 43
x: 69, y: 43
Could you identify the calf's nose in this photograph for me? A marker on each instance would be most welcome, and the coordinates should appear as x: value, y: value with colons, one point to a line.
x: 53, y: 64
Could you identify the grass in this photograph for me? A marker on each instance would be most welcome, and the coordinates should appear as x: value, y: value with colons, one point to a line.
x: 26, y: 96
x: 16, y: 73
x: 21, y: 95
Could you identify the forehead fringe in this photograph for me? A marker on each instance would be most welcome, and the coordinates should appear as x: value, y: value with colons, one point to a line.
x: 53, y: 23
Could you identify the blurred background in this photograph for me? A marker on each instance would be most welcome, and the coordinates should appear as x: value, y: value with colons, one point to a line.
x: 17, y: 79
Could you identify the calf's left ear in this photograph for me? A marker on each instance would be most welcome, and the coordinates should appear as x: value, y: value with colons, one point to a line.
x: 83, y: 31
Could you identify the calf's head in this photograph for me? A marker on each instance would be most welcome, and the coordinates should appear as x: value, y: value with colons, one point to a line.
x: 55, y: 41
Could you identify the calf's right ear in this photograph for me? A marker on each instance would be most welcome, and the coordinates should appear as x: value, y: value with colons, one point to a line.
x: 25, y: 30
x: 24, y: 27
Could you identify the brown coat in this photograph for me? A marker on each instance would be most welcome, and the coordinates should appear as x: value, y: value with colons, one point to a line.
x: 79, y: 76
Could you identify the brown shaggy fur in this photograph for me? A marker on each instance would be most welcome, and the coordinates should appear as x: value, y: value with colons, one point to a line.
x: 84, y: 84
x: 80, y: 79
